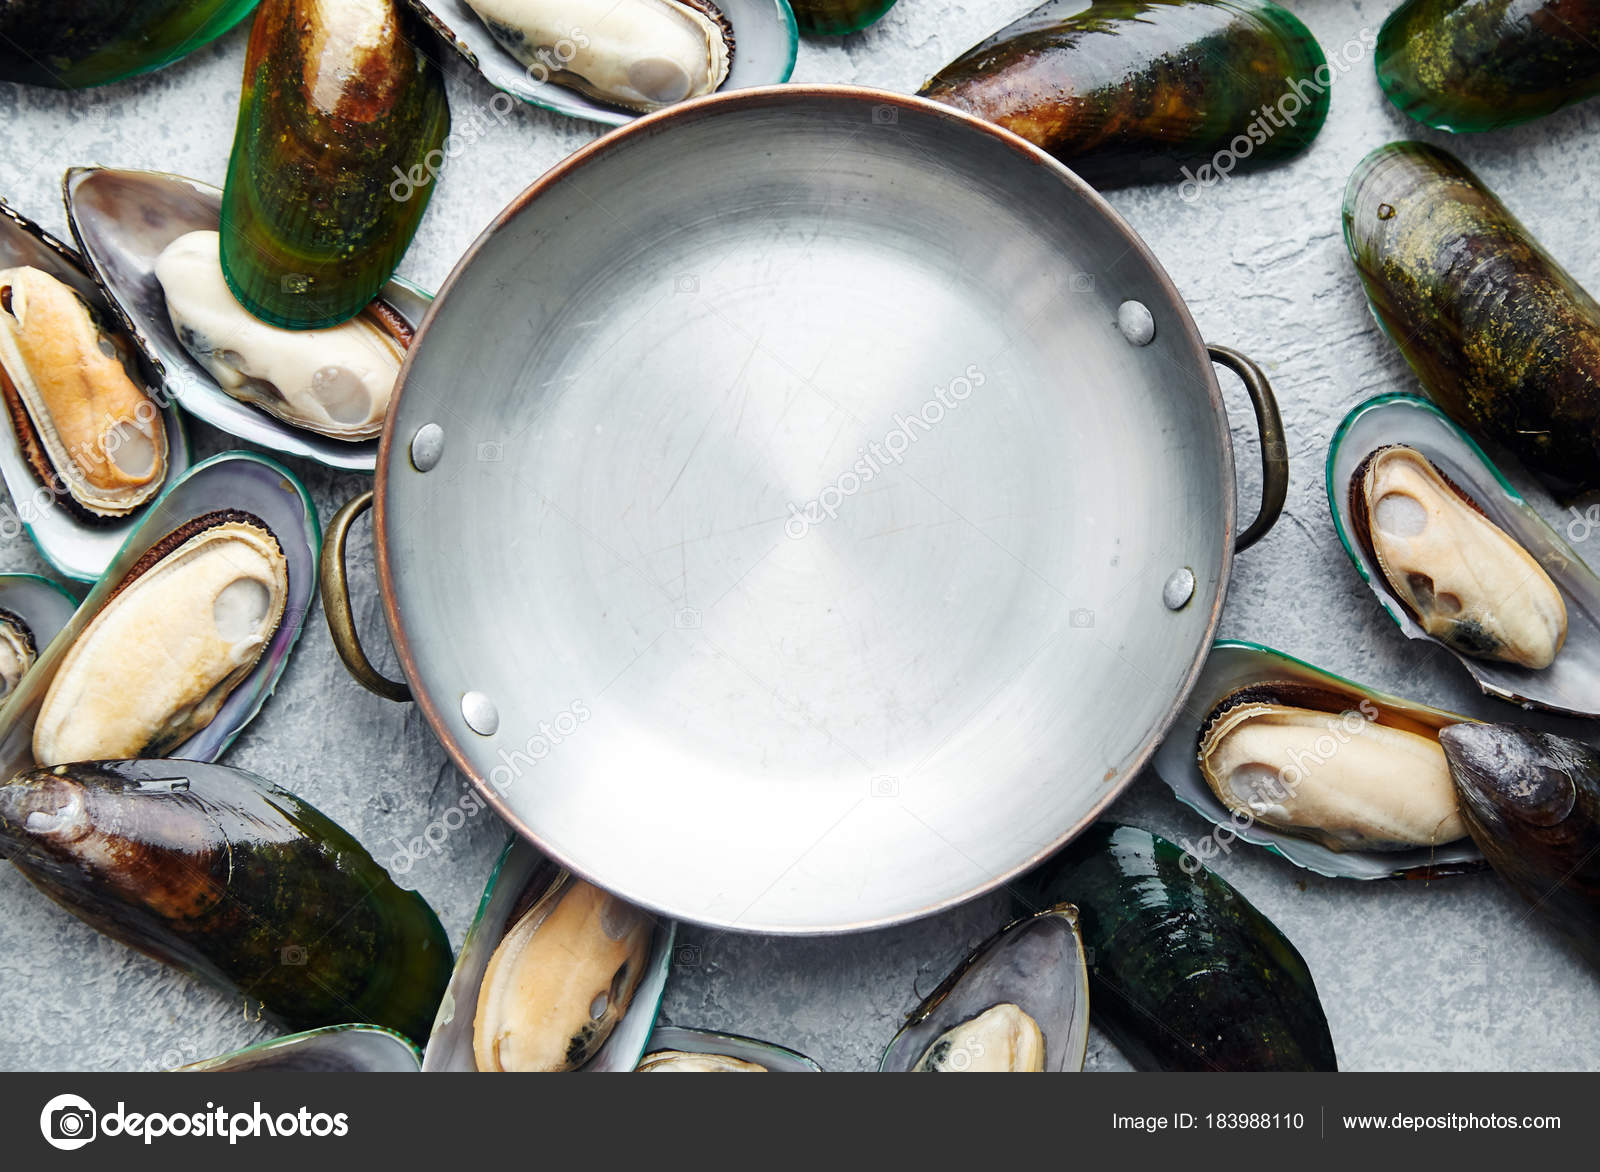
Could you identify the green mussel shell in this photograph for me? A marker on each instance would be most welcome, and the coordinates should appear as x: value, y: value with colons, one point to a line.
x: 1484, y: 64
x: 1131, y: 90
x: 72, y: 44
x: 1184, y: 973
x: 1531, y: 801
x: 235, y: 881
x: 1500, y: 336
x: 338, y: 143
x: 836, y: 18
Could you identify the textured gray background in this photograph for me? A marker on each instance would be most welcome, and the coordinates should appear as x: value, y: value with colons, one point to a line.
x: 1413, y: 976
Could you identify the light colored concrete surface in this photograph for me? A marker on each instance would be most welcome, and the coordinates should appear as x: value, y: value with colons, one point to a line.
x: 1451, y: 975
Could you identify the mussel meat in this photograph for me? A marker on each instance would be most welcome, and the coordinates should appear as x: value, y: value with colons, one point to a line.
x: 88, y: 431
x: 233, y: 880
x: 1019, y: 1003
x: 71, y: 44
x: 560, y: 980
x: 1186, y: 973
x: 336, y: 381
x: 1464, y: 579
x: 1002, y: 1038
x: 1485, y: 64
x: 637, y: 54
x: 341, y: 121
x: 1351, y: 776
x: 1500, y: 336
x: 1125, y: 90
x: 18, y: 650
x: 180, y: 632
x: 681, y: 1062
x: 1532, y: 803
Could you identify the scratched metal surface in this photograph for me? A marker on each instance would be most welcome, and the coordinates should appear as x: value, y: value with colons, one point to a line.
x: 1444, y: 976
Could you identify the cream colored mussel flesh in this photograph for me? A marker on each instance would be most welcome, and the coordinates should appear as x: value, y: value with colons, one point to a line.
x: 682, y: 1062
x: 560, y: 981
x: 79, y: 417
x: 1470, y: 585
x: 336, y: 382
x: 1002, y: 1038
x: 182, y: 630
x: 1345, y: 774
x: 18, y: 651
x: 638, y: 54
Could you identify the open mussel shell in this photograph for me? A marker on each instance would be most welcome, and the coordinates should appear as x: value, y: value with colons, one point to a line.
x: 233, y: 480
x: 1035, y: 963
x: 838, y: 18
x: 123, y: 220
x: 778, y: 1059
x: 73, y: 44
x: 76, y: 547
x: 519, y: 877
x: 1571, y: 684
x: 32, y: 612
x: 765, y: 38
x: 340, y: 1049
x: 1235, y: 665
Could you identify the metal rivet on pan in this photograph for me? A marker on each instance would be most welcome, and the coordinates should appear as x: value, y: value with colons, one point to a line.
x: 427, y: 446
x: 1179, y: 589
x: 479, y: 712
x: 1136, y: 323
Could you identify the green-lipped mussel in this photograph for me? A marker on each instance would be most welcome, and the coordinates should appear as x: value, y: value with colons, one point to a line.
x: 1501, y: 337
x: 88, y: 431
x: 179, y: 633
x: 1460, y: 575
x: 1018, y: 1004
x: 1524, y: 593
x: 341, y: 119
x: 1351, y: 775
x: 1484, y: 64
x: 233, y: 880
x: 1532, y: 803
x: 1125, y: 90
x: 676, y: 1050
x: 837, y: 18
x: 554, y: 975
x: 18, y: 651
x: 340, y: 1049
x: 637, y: 54
x: 71, y: 44
x: 1185, y: 973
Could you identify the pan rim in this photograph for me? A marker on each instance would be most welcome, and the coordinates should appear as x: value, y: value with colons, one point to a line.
x: 735, y: 101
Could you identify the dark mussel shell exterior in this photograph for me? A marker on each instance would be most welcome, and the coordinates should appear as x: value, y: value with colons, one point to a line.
x: 1184, y: 973
x: 1502, y: 339
x: 236, y: 881
x: 836, y: 18
x: 333, y: 160
x: 72, y: 44
x: 1124, y: 90
x: 1483, y: 64
x: 1531, y: 801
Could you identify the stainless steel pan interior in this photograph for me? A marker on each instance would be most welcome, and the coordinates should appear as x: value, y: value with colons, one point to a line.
x: 776, y: 523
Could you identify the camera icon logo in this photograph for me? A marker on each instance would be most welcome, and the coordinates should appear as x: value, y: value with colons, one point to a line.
x: 686, y: 956
x: 1081, y: 283
x: 292, y: 954
x: 885, y: 787
x: 885, y: 116
x: 686, y: 283
x: 1081, y: 618
x: 687, y: 619
x: 68, y: 1122
x: 491, y: 452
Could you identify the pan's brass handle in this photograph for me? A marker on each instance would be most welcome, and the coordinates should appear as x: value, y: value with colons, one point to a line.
x: 336, y: 604
x: 1274, y: 448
